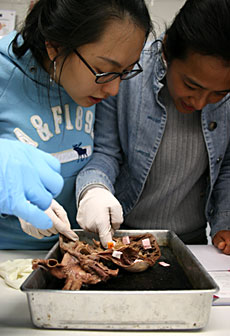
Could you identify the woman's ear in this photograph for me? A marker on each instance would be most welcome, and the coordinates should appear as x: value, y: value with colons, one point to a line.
x: 51, y: 51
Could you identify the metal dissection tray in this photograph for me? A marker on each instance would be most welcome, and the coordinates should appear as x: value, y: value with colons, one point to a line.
x: 177, y: 297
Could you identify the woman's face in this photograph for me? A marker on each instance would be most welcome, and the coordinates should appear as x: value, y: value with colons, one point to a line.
x: 197, y: 81
x: 118, y: 49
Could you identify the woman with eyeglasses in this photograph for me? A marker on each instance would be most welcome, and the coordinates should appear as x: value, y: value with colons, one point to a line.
x: 162, y: 145
x: 68, y: 56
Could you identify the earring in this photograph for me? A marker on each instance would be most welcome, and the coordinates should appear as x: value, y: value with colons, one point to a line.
x: 52, y: 78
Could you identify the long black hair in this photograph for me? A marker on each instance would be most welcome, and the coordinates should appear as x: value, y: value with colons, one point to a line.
x: 201, y: 26
x: 70, y: 24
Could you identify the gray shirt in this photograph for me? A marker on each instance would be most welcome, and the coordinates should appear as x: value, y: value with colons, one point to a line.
x: 173, y: 195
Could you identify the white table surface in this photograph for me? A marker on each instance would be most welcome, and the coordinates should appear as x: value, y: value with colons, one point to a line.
x: 15, y: 315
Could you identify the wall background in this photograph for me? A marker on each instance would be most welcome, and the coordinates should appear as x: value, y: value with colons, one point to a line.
x: 20, y: 6
x: 162, y: 11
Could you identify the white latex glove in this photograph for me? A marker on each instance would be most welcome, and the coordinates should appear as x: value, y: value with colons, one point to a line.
x: 60, y: 224
x: 99, y: 211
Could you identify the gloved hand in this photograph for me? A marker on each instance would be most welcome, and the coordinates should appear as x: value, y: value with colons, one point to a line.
x: 99, y: 211
x: 60, y: 222
x: 28, y: 174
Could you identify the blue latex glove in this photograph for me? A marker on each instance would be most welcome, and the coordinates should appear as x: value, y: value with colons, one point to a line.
x: 28, y: 174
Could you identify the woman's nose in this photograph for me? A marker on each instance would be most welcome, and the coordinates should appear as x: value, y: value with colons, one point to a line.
x: 199, y: 101
x: 112, y: 88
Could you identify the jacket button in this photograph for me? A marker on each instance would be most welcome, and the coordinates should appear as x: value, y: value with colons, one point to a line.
x: 219, y: 159
x: 212, y: 126
x: 211, y: 211
x: 32, y: 69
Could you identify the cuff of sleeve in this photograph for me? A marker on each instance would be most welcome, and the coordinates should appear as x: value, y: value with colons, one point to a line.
x: 220, y: 222
x: 89, y: 179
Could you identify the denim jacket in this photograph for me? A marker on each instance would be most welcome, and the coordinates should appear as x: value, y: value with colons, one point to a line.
x: 128, y: 133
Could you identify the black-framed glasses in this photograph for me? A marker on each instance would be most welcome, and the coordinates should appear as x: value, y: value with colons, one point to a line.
x: 105, y: 77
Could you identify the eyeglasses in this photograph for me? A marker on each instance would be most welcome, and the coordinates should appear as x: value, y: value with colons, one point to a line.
x: 106, y: 77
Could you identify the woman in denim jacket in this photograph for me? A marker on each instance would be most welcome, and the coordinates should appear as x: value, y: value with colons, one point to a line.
x: 162, y: 145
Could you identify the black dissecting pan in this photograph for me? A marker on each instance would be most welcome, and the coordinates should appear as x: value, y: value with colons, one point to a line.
x: 157, y: 277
